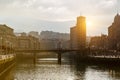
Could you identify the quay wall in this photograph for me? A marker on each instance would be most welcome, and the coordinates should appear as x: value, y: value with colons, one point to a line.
x: 5, y: 62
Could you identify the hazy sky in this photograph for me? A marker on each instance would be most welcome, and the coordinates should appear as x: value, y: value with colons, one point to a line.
x: 58, y: 15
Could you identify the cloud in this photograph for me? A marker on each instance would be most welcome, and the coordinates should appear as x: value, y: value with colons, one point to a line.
x: 102, y: 11
x: 49, y: 9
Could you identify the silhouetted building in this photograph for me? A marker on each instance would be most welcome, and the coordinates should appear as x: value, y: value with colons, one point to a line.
x: 73, y: 38
x: 99, y: 42
x: 78, y: 34
x: 88, y: 38
x: 114, y: 34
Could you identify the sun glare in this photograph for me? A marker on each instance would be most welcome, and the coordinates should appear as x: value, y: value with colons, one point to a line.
x: 89, y: 23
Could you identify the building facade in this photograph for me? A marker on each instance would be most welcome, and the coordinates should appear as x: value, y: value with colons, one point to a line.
x: 53, y: 44
x: 78, y: 34
x: 114, y: 34
x: 34, y: 34
x: 54, y: 35
x: 99, y: 42
x: 50, y: 40
x: 73, y: 38
x: 7, y: 38
x: 27, y: 42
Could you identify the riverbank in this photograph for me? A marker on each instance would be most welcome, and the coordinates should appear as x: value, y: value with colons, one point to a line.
x: 5, y: 62
x: 99, y: 60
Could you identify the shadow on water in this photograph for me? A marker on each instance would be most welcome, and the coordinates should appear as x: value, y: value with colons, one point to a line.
x: 90, y: 70
x: 79, y: 69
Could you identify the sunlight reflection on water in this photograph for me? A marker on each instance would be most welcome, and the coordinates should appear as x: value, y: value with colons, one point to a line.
x: 48, y: 71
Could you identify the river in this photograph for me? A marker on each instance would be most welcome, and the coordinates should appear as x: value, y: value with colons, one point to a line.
x: 48, y: 69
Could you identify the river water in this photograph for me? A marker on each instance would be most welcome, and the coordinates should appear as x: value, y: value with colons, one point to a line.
x: 48, y: 69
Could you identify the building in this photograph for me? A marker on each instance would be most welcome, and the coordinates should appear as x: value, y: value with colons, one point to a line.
x: 78, y: 34
x: 52, y: 44
x: 34, y: 34
x: 88, y: 38
x: 49, y: 44
x: 73, y: 38
x: 27, y: 42
x: 50, y: 40
x: 54, y: 35
x: 99, y: 42
x: 114, y: 34
x: 7, y: 38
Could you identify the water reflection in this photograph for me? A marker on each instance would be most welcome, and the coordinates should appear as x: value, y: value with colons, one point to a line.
x: 8, y: 75
x: 44, y: 70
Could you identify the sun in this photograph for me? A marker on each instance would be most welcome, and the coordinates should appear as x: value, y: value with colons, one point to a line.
x: 89, y: 23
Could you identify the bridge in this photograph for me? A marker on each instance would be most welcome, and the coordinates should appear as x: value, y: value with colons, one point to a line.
x: 84, y: 53
x: 55, y: 50
x: 59, y: 52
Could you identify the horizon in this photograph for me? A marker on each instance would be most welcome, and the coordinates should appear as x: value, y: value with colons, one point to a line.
x: 58, y: 16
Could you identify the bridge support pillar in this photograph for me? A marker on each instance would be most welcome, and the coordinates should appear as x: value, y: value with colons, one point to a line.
x: 59, y: 58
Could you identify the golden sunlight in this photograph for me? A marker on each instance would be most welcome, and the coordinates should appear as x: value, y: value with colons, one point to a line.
x: 89, y: 23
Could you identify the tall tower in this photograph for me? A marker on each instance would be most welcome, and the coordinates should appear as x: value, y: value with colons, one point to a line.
x: 81, y: 32
x: 78, y: 34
